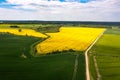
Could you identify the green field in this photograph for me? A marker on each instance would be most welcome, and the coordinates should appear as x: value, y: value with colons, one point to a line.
x: 13, y: 66
x: 107, y: 53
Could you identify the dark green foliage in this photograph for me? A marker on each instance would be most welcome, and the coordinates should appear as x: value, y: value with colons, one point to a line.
x: 48, y: 29
x: 14, y: 27
x: 63, y: 51
x: 20, y: 30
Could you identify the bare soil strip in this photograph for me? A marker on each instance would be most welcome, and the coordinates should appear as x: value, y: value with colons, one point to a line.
x: 87, y: 59
x: 75, y: 67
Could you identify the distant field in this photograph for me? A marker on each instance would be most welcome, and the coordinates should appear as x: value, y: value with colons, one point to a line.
x: 20, y: 25
x: 38, y: 27
x: 24, y: 32
x: 107, y: 53
x: 14, y: 66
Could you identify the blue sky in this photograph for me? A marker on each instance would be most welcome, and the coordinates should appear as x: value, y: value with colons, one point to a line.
x: 60, y: 10
x: 13, y: 5
x: 2, y: 1
x: 71, y: 0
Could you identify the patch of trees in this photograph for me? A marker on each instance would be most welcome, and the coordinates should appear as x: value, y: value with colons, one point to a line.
x: 14, y: 27
x: 20, y: 30
x: 49, y: 28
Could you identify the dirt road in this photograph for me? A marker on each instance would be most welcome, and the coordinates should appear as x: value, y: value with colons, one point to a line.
x: 87, y: 59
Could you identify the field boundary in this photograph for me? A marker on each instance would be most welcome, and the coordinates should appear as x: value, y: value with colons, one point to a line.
x: 87, y: 59
x: 32, y: 47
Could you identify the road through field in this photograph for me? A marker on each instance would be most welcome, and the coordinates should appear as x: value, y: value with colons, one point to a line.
x: 86, y: 57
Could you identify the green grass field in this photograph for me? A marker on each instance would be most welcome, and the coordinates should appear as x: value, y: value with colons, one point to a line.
x: 48, y: 67
x: 107, y: 52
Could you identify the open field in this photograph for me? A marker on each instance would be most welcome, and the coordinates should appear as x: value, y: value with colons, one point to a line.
x: 107, y: 54
x: 38, y: 27
x: 54, y: 65
x: 13, y: 66
x: 24, y: 32
x: 17, y: 63
x: 69, y: 38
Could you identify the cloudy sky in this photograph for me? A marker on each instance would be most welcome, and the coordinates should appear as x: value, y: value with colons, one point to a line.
x: 60, y: 10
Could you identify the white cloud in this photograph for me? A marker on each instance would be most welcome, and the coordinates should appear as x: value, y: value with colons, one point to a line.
x: 100, y: 10
x: 25, y: 1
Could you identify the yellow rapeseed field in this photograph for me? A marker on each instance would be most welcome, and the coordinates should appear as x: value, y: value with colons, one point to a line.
x: 75, y: 38
x: 24, y: 32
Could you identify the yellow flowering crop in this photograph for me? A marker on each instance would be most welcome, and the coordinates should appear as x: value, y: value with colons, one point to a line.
x: 78, y: 39
x: 24, y: 32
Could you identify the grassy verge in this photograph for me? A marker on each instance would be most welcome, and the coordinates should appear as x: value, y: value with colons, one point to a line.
x: 33, y: 48
x: 107, y: 52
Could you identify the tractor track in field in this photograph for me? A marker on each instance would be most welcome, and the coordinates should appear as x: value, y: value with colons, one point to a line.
x: 97, y: 69
x: 75, y: 68
x: 87, y: 59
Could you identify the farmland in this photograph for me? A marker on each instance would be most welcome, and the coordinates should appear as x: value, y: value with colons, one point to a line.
x: 107, y: 54
x: 69, y: 38
x: 38, y: 27
x: 22, y: 49
x: 18, y: 64
x: 50, y: 67
x: 24, y: 32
